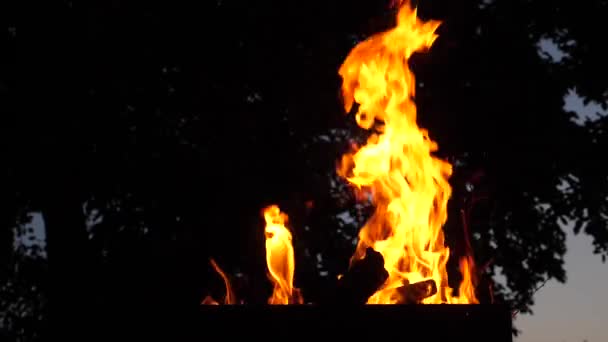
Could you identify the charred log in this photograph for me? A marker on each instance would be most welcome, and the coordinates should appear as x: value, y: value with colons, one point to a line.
x: 416, y: 292
x: 362, y: 280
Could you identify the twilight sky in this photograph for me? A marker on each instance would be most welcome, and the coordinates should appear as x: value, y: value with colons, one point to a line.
x: 576, y: 311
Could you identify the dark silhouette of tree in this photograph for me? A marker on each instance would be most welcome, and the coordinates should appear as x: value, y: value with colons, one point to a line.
x: 150, y: 136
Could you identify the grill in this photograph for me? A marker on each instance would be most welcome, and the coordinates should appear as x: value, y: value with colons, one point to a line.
x: 361, y: 323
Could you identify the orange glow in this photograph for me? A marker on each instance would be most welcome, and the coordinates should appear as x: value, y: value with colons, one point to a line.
x: 409, y: 185
x: 280, y: 258
x: 229, y: 298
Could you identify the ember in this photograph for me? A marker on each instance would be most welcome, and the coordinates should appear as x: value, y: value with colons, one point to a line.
x: 401, y: 257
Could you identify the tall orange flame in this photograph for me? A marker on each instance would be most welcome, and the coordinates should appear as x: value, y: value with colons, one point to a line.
x: 409, y: 185
x: 280, y: 258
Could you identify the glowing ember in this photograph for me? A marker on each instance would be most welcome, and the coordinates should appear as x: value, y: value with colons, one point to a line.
x: 408, y: 184
x: 280, y: 258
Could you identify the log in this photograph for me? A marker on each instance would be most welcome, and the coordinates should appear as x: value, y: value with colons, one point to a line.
x: 362, y: 280
x: 416, y: 292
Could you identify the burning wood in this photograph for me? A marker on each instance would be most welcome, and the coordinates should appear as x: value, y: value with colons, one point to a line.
x: 362, y: 280
x: 409, y: 184
x: 416, y: 292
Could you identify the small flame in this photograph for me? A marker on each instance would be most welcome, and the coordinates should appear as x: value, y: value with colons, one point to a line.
x: 408, y: 184
x: 229, y: 298
x: 469, y: 281
x: 280, y: 257
x: 209, y: 301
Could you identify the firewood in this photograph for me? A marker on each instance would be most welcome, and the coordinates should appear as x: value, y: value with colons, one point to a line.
x: 362, y: 280
x: 416, y: 292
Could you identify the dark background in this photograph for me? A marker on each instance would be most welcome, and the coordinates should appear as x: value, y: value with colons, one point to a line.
x: 149, y: 135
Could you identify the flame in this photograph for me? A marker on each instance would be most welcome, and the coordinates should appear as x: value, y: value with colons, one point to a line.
x: 469, y: 280
x: 280, y: 257
x: 408, y: 184
x: 229, y: 298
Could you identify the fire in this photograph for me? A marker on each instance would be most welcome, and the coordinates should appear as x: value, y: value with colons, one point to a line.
x: 408, y: 184
x: 280, y: 258
x: 229, y: 298
x: 467, y: 288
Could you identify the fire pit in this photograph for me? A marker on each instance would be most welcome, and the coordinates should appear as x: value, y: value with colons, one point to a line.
x: 426, y: 323
x: 401, y: 256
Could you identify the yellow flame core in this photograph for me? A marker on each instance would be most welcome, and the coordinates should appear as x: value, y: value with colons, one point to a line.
x: 409, y: 185
x: 280, y: 258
